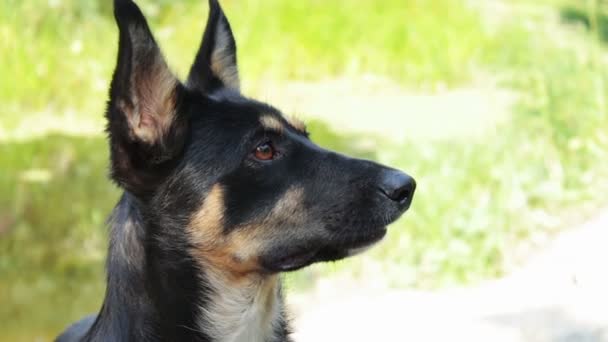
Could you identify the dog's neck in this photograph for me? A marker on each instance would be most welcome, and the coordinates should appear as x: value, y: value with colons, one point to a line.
x: 157, y: 292
x: 242, y: 310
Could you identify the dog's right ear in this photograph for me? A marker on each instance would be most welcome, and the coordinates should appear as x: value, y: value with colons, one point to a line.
x: 215, y: 65
x: 147, y: 131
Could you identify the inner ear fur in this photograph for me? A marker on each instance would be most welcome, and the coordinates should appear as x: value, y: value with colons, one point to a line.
x: 146, y: 127
x: 215, y: 65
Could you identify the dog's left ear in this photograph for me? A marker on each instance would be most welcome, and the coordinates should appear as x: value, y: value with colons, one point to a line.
x: 147, y: 130
x: 215, y: 64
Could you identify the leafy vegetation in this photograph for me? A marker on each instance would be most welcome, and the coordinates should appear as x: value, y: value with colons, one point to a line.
x: 482, y: 202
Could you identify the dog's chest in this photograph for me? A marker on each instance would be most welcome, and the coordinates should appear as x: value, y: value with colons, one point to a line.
x: 242, y: 314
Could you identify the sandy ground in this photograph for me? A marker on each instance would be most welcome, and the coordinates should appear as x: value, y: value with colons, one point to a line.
x: 559, y: 296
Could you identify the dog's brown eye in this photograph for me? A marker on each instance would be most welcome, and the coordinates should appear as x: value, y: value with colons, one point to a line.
x: 264, y: 151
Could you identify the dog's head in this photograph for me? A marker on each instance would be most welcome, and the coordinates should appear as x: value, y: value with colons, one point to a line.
x: 232, y: 179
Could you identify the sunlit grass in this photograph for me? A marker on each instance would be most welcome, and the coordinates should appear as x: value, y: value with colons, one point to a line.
x: 60, y: 54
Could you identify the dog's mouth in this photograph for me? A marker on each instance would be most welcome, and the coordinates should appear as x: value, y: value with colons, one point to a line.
x: 291, y: 259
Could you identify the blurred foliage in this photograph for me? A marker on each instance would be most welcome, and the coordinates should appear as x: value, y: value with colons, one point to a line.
x: 71, y: 44
x: 478, y: 200
x: 55, y: 198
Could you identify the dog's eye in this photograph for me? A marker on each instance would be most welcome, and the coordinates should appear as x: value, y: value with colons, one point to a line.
x: 264, y: 151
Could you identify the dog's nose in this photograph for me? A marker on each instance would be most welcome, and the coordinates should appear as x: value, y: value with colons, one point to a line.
x: 398, y: 186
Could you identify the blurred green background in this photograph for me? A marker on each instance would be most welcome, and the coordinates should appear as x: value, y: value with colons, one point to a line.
x: 535, y: 164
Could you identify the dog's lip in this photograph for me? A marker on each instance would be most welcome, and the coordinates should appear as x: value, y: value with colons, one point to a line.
x: 375, y: 235
x: 369, y: 236
x: 285, y: 260
x: 352, y: 244
x: 295, y: 260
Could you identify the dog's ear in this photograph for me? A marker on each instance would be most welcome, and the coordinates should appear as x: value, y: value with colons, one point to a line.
x: 145, y: 126
x: 215, y: 65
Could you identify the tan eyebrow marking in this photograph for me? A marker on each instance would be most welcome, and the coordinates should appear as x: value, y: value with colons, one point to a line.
x: 297, y: 124
x: 272, y: 123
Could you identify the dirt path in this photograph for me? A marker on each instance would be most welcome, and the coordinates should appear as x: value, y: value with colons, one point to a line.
x: 559, y: 296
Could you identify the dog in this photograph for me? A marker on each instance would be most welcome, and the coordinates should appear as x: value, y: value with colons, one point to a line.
x: 222, y: 193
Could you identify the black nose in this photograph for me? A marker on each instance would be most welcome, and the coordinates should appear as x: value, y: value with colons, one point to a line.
x: 398, y: 186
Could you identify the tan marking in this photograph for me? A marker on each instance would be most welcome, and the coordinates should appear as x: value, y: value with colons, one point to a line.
x: 206, y: 225
x: 246, y: 243
x: 222, y: 59
x: 297, y: 123
x: 270, y: 122
x: 245, y: 304
x: 235, y: 254
x: 287, y: 210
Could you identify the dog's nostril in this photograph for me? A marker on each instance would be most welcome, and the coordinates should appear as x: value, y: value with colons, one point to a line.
x: 401, y: 194
x: 398, y: 186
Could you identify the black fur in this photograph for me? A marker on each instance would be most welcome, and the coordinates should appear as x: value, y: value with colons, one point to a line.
x: 176, y: 148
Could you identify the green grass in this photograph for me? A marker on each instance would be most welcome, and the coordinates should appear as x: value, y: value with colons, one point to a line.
x: 71, y: 45
x: 54, y: 202
x: 480, y: 202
